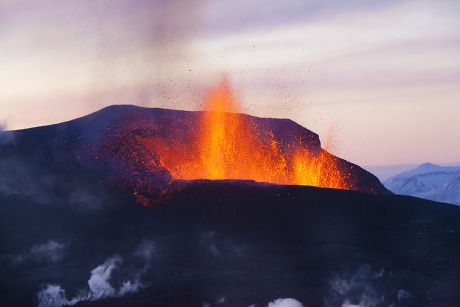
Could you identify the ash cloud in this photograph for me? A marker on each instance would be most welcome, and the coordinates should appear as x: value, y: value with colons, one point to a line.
x: 126, y: 52
x: 152, y: 50
x: 99, y: 282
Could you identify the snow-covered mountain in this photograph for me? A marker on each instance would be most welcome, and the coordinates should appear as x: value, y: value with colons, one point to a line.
x: 430, y: 181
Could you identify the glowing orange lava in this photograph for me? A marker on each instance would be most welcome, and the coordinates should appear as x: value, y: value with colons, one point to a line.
x: 227, y: 145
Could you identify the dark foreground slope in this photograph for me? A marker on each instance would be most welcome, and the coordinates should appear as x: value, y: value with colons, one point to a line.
x: 232, y: 243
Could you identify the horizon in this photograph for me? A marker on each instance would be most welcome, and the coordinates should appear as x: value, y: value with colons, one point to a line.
x: 370, y: 76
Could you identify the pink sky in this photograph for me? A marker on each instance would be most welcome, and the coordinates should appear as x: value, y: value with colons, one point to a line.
x: 384, y: 78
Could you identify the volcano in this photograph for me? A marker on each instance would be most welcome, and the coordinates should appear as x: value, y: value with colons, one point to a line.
x: 143, y: 150
x: 125, y: 207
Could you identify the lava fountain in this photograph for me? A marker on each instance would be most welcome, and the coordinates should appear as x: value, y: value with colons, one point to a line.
x: 227, y: 145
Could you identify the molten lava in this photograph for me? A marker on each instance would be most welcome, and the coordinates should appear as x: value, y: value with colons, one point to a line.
x: 226, y: 145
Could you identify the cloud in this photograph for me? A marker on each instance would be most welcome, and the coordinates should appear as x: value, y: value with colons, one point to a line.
x: 51, y: 251
x: 285, y: 302
x: 99, y: 286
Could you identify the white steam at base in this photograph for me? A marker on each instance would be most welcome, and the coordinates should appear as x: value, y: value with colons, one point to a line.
x: 99, y: 286
x: 285, y: 302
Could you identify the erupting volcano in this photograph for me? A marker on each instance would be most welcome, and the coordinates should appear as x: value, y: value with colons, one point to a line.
x: 219, y: 197
x: 229, y: 145
x: 147, y: 152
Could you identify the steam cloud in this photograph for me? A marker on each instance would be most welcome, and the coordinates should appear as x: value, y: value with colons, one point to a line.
x: 360, y: 288
x: 355, y: 290
x: 285, y: 302
x: 52, y: 296
x: 99, y: 286
x: 98, y: 283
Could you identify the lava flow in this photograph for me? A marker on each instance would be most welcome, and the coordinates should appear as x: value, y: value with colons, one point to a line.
x: 227, y: 145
